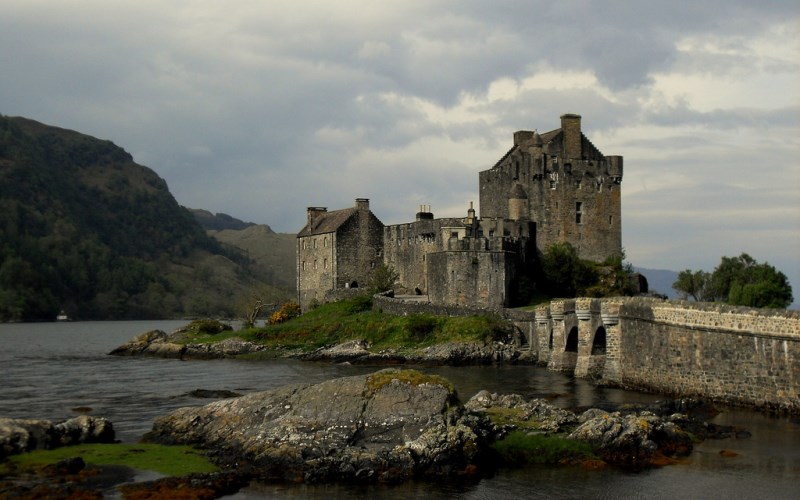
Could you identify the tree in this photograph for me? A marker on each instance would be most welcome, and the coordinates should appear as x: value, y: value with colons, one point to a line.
x: 740, y: 281
x: 692, y: 284
x: 382, y: 278
x: 565, y: 274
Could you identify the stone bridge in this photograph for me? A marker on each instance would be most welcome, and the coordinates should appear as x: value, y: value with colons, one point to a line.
x: 734, y: 355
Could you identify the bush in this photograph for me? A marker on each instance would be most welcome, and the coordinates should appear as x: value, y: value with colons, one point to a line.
x: 287, y: 311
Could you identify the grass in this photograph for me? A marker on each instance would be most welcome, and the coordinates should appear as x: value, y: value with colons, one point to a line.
x: 412, y: 377
x: 519, y: 447
x: 167, y: 460
x: 338, y: 322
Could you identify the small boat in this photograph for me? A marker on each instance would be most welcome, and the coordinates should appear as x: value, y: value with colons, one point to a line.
x: 62, y: 316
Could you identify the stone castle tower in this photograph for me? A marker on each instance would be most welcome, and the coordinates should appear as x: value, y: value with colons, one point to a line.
x: 560, y: 181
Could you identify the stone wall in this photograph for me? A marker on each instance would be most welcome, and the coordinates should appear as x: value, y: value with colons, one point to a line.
x: 734, y: 355
x: 571, y: 190
x: 470, y: 278
x: 403, y: 306
x: 359, y: 248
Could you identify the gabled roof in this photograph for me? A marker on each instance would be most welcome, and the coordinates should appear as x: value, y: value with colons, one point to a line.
x: 328, y: 222
x: 546, y: 137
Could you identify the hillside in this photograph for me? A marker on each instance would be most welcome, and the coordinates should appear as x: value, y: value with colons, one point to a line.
x: 272, y: 254
x: 85, y: 229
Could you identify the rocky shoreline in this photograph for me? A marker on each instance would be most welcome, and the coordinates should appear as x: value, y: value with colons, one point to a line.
x: 389, y: 426
x: 157, y: 343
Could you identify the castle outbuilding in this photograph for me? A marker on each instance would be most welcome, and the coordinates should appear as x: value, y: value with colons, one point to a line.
x: 549, y: 188
x: 337, y: 250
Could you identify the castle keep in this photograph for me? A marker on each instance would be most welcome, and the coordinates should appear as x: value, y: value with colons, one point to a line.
x: 548, y: 188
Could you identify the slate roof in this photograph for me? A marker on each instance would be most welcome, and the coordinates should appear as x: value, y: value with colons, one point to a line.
x: 328, y: 222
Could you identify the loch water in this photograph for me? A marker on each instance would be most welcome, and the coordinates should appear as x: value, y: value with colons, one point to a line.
x: 55, y: 370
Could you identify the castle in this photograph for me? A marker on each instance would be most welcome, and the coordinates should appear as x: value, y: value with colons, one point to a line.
x: 548, y: 188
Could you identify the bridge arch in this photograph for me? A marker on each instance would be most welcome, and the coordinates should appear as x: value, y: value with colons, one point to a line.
x: 599, y: 341
x: 572, y: 340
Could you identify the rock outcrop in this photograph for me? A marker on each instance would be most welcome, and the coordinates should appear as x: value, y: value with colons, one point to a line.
x: 158, y: 343
x: 21, y: 435
x: 632, y: 439
x: 389, y: 426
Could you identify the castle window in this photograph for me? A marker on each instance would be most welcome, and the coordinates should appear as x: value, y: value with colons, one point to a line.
x: 325, y: 242
x: 325, y: 264
x: 315, y: 243
x: 315, y: 265
x: 578, y: 184
x: 610, y: 220
x: 304, y: 265
x: 552, y: 184
x: 578, y: 212
x: 454, y: 234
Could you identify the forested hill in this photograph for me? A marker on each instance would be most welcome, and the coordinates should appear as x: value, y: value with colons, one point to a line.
x: 85, y: 229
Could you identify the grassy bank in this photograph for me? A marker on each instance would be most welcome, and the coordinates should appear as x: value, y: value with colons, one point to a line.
x: 167, y: 460
x: 354, y: 319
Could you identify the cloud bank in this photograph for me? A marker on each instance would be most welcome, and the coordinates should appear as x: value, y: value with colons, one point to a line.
x: 259, y: 109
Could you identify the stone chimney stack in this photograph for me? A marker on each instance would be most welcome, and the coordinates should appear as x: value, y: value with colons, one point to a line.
x: 314, y: 213
x: 362, y: 203
x: 522, y: 136
x: 424, y: 213
x: 571, y: 127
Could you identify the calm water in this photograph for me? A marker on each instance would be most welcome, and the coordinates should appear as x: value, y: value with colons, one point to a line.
x: 48, y: 370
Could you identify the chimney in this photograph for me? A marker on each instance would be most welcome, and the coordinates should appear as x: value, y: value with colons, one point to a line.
x: 571, y: 128
x: 522, y: 136
x: 314, y: 213
x: 362, y: 203
x: 424, y: 213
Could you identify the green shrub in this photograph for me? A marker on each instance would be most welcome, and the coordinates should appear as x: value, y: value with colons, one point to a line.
x: 519, y: 448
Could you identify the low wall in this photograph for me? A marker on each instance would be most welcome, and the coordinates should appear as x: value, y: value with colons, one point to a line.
x: 729, y: 354
x: 418, y: 304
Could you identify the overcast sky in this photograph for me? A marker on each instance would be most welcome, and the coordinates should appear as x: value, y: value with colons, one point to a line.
x: 259, y: 109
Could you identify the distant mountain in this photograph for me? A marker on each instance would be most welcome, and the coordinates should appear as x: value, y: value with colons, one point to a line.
x: 219, y: 222
x: 85, y: 229
x: 660, y: 280
x: 273, y: 254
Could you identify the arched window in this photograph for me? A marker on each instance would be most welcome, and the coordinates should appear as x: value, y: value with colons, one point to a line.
x: 599, y: 342
x: 572, y: 340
